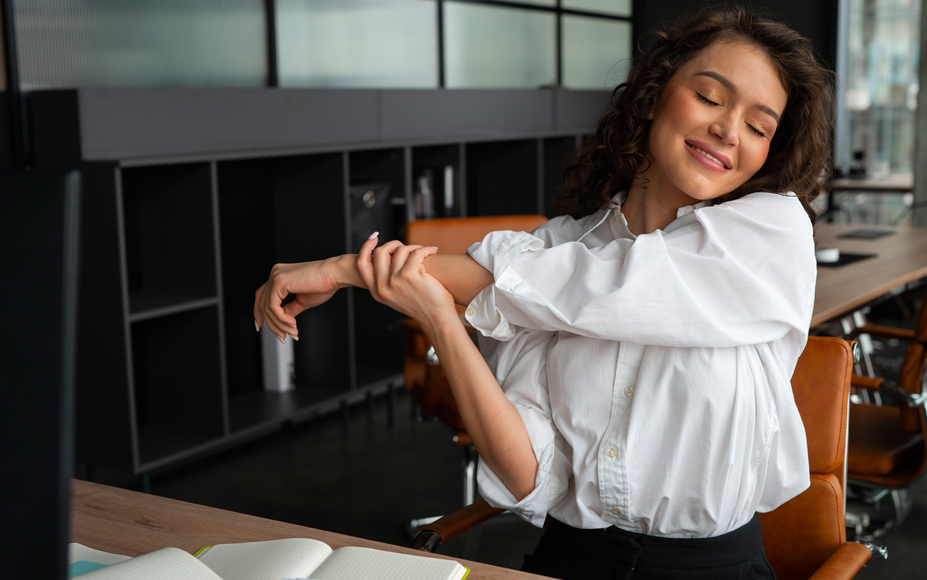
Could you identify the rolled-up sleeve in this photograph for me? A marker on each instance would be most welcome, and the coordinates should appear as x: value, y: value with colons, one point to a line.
x: 737, y: 273
x: 520, y: 365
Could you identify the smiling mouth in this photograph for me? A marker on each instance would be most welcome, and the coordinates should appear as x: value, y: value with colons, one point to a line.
x: 708, y: 155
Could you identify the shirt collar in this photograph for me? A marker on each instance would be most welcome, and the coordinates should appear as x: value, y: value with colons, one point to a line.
x: 596, y: 219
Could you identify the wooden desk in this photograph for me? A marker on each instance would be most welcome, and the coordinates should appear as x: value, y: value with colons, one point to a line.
x: 131, y: 523
x: 901, y: 258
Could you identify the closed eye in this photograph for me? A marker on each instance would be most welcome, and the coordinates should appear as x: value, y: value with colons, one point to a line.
x: 755, y: 130
x: 706, y: 100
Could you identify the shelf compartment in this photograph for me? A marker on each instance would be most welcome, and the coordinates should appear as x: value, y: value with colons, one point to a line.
x: 502, y: 178
x: 371, y: 168
x: 280, y: 201
x: 435, y: 159
x: 169, y: 238
x: 177, y: 382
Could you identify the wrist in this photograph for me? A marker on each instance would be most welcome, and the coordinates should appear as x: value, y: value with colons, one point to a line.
x: 343, y: 272
x: 441, y: 326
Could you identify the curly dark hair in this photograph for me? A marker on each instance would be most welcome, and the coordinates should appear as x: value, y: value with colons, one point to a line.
x: 799, y: 158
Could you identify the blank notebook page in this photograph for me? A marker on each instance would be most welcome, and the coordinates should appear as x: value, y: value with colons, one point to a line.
x: 354, y: 563
x: 80, y: 552
x: 273, y: 560
x: 165, y: 564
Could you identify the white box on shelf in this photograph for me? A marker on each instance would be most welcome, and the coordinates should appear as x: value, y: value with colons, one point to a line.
x: 277, y: 359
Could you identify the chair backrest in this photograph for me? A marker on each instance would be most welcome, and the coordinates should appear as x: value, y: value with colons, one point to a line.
x: 802, y: 533
x: 427, y: 384
x: 455, y: 235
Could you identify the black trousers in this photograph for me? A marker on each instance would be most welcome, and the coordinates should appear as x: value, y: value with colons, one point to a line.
x: 575, y: 554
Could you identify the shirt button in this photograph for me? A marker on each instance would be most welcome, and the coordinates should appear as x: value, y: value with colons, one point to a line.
x: 615, y: 511
x: 628, y: 391
x: 611, y: 452
x: 471, y: 311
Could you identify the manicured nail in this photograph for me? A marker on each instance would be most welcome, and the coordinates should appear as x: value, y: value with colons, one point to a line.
x: 256, y: 327
x: 435, y: 247
x: 282, y: 340
x: 296, y: 338
x: 373, y: 235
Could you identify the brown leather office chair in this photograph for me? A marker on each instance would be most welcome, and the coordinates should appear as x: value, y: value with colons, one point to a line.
x: 886, y: 450
x: 424, y: 377
x: 806, y: 536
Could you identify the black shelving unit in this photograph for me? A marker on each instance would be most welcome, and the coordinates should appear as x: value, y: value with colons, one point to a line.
x: 188, y: 205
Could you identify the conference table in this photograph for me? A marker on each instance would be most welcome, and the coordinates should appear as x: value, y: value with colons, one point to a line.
x: 126, y: 522
x: 899, y: 257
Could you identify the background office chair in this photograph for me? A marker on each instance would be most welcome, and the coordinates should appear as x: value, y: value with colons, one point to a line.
x: 425, y: 379
x: 886, y: 450
x: 806, y: 536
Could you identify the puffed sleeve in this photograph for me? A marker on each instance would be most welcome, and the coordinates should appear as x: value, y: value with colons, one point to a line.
x: 520, y: 366
x: 737, y: 273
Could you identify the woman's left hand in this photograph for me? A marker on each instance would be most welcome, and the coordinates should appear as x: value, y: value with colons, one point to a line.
x: 395, y: 275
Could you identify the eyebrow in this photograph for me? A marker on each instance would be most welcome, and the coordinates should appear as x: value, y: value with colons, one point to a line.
x: 730, y: 86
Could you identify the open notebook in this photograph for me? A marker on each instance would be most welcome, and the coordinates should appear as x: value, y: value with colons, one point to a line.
x: 273, y: 560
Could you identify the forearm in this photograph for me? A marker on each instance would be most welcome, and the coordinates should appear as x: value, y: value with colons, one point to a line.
x: 463, y: 277
x: 459, y: 273
x: 492, y: 422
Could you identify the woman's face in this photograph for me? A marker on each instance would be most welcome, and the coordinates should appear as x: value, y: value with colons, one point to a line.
x: 713, y: 122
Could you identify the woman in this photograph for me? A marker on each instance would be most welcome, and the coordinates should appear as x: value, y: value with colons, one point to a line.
x: 645, y: 341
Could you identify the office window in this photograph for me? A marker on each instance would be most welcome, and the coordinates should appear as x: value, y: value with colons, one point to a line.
x: 550, y: 3
x: 615, y: 7
x: 498, y: 47
x: 169, y: 43
x: 596, y: 52
x: 880, y: 84
x: 357, y: 43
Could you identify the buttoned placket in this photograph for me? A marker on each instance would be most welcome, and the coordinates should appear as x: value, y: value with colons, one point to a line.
x: 614, y: 478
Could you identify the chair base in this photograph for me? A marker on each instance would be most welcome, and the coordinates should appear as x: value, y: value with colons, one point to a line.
x: 866, y: 526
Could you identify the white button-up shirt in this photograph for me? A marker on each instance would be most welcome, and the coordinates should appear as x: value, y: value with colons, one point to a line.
x: 653, y: 372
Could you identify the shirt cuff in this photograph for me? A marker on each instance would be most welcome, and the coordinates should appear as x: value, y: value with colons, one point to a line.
x: 550, y: 484
x: 496, y: 253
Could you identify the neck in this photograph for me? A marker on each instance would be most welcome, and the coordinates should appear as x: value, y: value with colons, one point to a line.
x: 646, y: 210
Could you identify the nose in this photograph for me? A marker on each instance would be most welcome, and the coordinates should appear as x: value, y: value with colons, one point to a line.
x: 726, y: 129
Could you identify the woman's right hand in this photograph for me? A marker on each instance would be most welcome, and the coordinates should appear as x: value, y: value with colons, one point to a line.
x: 313, y: 283
x: 395, y: 275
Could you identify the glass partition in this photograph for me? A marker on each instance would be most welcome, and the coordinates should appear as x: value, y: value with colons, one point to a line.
x: 498, y: 47
x: 357, y: 43
x: 169, y: 43
x: 616, y: 7
x: 596, y: 52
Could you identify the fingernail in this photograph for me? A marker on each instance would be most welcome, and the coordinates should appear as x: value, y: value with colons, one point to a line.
x: 435, y: 247
x: 256, y: 327
x: 373, y: 235
x: 296, y: 338
x: 282, y: 340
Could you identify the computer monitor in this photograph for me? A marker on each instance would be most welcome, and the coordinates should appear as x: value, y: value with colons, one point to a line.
x: 39, y: 222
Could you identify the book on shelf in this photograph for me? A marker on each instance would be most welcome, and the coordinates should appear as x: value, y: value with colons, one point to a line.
x: 271, y: 560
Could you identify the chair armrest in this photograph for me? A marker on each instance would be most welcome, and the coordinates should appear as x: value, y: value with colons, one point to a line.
x: 845, y: 562
x: 885, y: 332
x: 430, y: 537
x: 868, y: 383
x: 890, y: 387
